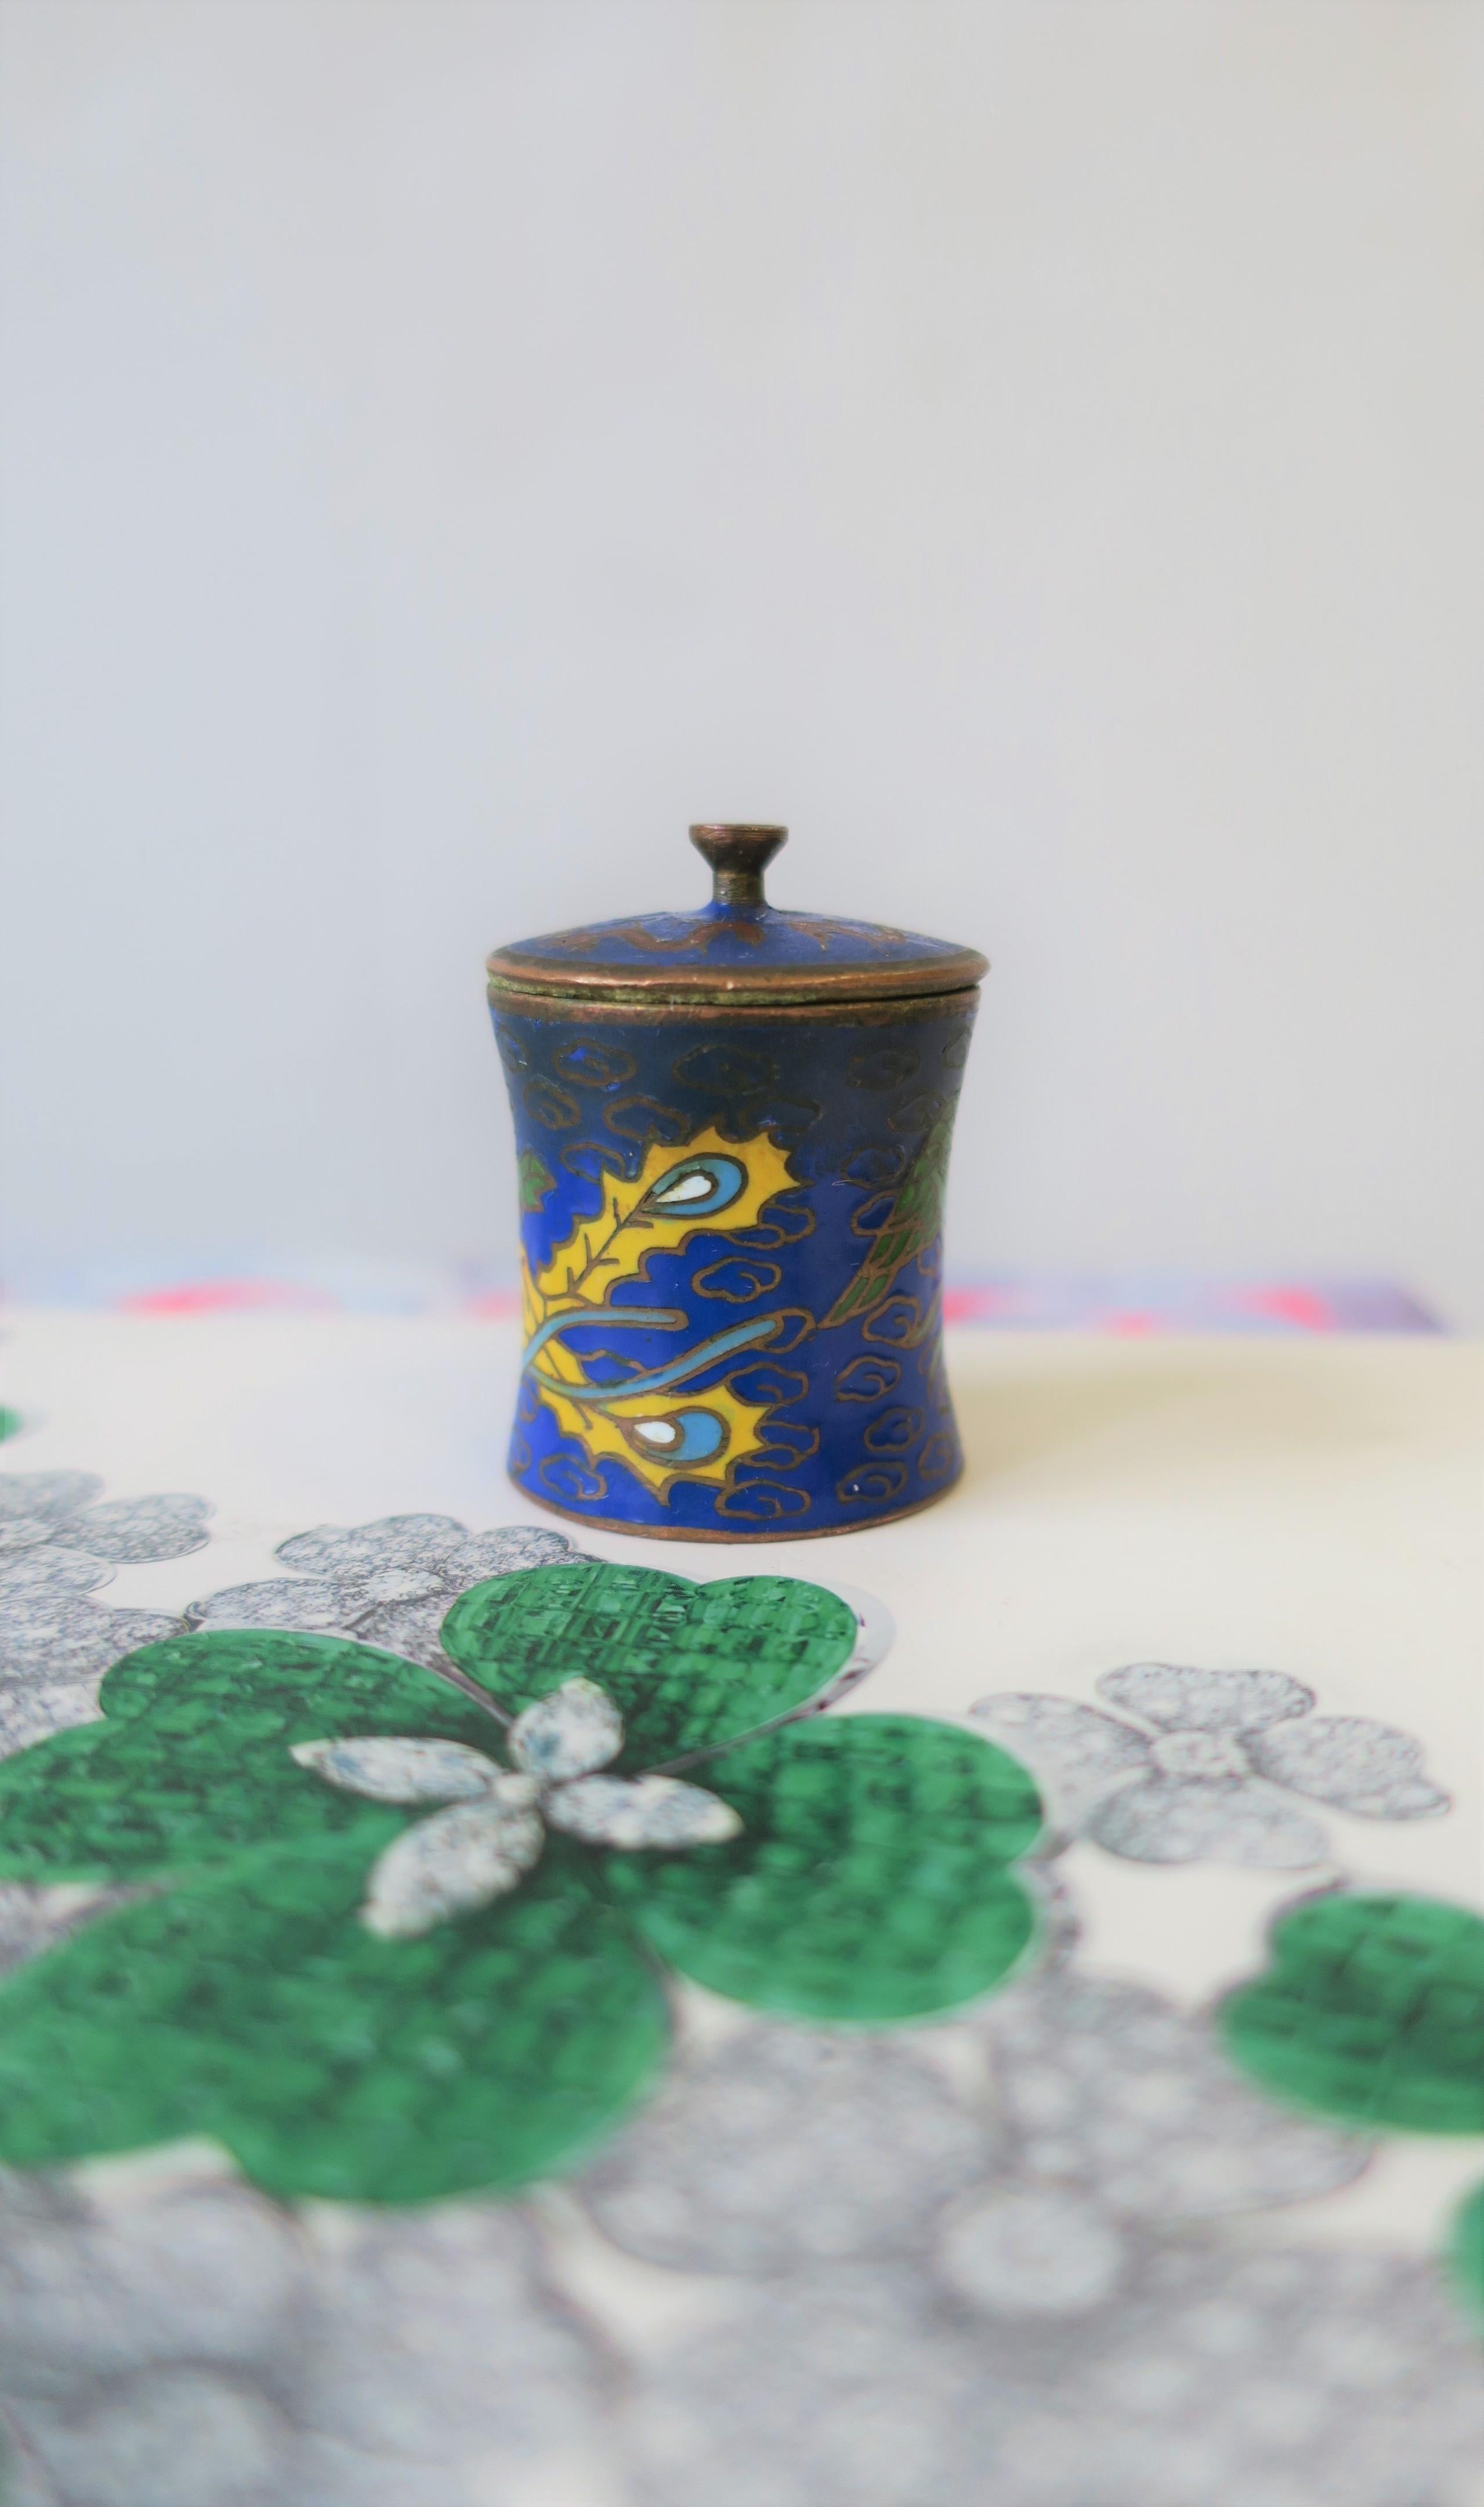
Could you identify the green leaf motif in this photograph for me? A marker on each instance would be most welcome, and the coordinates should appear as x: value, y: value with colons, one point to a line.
x: 253, y: 2006
x: 688, y: 1666
x: 10, y: 1425
x: 192, y: 1763
x: 869, y: 1885
x: 1372, y: 2009
x: 1466, y: 2251
x: 913, y: 1223
x: 536, y: 1180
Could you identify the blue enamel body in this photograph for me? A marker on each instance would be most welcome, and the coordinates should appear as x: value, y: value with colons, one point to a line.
x: 791, y: 1366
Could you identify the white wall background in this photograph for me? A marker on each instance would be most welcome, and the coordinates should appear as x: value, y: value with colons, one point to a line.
x: 1033, y: 446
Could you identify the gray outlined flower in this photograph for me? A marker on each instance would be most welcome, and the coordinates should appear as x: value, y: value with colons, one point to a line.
x: 1034, y: 2304
x: 1286, y: 2377
x: 1067, y: 2096
x: 57, y: 1546
x: 1200, y: 1775
x: 389, y: 1583
x: 786, y: 2147
x: 186, y: 2342
x: 56, y: 1511
x: 491, y: 1826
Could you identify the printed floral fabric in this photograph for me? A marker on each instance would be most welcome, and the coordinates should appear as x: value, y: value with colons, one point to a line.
x: 781, y: 2149
x: 194, y: 2343
x: 389, y: 1583
x: 1049, y: 2247
x: 1038, y: 2305
x: 479, y: 2034
x: 57, y: 1546
x: 1009, y: 2263
x: 1199, y: 1765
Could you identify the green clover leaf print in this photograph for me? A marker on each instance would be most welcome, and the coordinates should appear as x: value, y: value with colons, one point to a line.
x: 394, y: 1938
x: 1372, y: 2009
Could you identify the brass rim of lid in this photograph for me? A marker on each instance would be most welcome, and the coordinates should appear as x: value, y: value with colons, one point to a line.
x: 789, y: 985
x: 737, y: 856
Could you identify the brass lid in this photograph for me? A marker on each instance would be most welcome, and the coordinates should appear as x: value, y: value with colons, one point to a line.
x: 738, y: 950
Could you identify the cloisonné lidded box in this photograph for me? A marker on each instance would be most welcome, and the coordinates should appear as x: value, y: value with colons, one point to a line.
x: 733, y: 1129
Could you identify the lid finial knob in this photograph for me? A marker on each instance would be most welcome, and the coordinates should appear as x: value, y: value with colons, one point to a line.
x: 738, y: 856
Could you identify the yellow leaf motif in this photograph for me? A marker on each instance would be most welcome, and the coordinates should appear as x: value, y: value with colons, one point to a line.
x: 709, y: 1186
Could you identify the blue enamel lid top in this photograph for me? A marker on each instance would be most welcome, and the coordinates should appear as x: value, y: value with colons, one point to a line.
x: 738, y: 949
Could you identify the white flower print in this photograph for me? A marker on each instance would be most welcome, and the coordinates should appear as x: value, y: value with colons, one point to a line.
x: 390, y: 1583
x: 151, y: 2336
x: 1199, y: 2376
x: 787, y: 2146
x: 55, y: 1511
x: 1202, y: 1773
x: 493, y: 1826
x: 57, y: 1547
x: 1020, y: 2291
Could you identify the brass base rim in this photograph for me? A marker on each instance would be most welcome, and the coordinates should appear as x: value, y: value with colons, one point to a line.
x: 672, y: 1532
